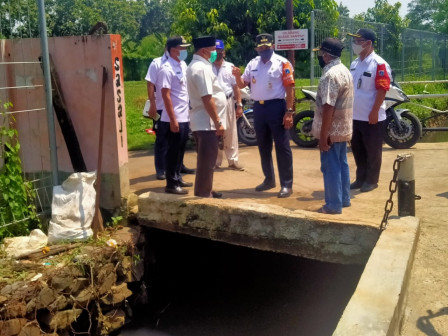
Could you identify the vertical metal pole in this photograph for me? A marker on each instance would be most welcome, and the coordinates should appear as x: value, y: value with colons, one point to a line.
x: 48, y: 97
x: 382, y: 40
x: 433, y: 59
x: 420, y: 55
x: 403, y: 39
x: 289, y: 26
x: 406, y: 187
x: 311, y: 50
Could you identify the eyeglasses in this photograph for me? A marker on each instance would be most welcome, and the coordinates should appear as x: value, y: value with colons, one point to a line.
x: 361, y: 41
x: 359, y: 83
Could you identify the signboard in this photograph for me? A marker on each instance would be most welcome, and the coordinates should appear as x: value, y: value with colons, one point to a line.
x: 294, y: 39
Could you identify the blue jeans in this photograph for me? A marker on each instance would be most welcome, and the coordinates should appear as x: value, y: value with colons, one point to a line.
x: 336, y: 173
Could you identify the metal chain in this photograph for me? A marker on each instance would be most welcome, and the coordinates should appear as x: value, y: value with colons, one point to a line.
x: 392, y: 188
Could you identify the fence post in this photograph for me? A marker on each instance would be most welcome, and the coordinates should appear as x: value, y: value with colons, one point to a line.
x: 311, y: 50
x: 403, y: 39
x: 433, y: 58
x: 48, y: 96
x: 406, y: 187
x: 420, y: 55
x: 382, y: 40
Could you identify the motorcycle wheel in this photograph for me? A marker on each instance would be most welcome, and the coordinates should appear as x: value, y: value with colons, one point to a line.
x: 246, y: 134
x: 301, y: 130
x: 408, y: 137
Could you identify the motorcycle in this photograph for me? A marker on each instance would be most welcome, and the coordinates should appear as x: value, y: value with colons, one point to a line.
x: 402, y: 129
x: 245, y: 124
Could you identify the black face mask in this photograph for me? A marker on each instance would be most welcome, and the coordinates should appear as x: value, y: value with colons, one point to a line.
x: 321, y: 61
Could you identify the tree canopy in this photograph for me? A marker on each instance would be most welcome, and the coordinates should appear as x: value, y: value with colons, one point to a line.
x: 429, y: 15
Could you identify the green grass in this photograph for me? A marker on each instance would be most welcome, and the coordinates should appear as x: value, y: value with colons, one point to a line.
x: 135, y: 98
x: 136, y: 95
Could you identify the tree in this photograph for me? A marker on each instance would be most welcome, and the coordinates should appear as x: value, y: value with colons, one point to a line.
x: 158, y: 17
x: 76, y: 17
x: 343, y: 10
x: 428, y: 15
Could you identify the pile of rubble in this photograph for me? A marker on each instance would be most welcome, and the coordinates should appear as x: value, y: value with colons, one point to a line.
x: 83, y: 290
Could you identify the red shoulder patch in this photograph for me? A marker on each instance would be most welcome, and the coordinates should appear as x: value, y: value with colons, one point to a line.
x: 288, y: 74
x: 382, y: 80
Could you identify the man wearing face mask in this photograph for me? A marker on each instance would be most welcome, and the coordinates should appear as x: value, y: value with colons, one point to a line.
x: 371, y: 80
x: 332, y: 125
x: 223, y: 71
x: 156, y: 107
x: 207, y: 112
x: 271, y: 79
x: 175, y: 119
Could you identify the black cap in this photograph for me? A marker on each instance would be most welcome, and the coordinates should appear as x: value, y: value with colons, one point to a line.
x: 264, y: 40
x: 365, y: 33
x: 176, y: 41
x: 332, y: 46
x: 204, y: 42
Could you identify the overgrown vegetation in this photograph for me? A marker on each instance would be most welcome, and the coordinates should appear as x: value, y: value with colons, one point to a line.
x: 17, y: 208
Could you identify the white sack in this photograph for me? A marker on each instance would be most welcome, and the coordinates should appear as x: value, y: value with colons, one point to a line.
x: 73, y: 208
x: 16, y: 247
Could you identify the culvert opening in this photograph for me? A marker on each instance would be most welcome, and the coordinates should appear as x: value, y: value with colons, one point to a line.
x: 202, y: 287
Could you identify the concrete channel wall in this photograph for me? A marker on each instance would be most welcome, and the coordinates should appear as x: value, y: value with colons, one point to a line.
x: 261, y: 226
x: 376, y: 307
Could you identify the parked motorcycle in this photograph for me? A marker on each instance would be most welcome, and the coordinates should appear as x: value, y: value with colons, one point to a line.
x: 402, y: 129
x: 245, y: 124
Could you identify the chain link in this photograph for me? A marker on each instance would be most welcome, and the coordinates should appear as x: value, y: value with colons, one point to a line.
x: 392, y: 188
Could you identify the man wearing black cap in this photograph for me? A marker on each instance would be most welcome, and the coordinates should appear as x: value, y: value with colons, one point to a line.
x: 371, y: 78
x: 332, y: 125
x: 271, y: 78
x: 175, y: 119
x: 207, y: 109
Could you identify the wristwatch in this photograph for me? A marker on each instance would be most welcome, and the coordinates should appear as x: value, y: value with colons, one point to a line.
x: 239, y: 104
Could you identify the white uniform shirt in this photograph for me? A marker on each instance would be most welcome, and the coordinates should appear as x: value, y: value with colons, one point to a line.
x: 225, y: 77
x: 172, y: 76
x: 266, y: 79
x: 202, y: 82
x: 151, y: 76
x: 364, y: 74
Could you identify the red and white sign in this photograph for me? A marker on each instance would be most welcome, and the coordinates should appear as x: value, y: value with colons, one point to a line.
x: 294, y: 39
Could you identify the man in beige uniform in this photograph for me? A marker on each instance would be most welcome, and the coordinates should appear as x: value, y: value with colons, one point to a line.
x: 223, y: 71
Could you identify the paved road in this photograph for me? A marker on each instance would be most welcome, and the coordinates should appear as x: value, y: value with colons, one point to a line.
x: 428, y: 286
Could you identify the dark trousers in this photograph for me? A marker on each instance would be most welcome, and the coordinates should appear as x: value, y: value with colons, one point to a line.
x: 175, y: 151
x: 367, y: 148
x: 207, y: 148
x: 269, y: 126
x: 160, y: 146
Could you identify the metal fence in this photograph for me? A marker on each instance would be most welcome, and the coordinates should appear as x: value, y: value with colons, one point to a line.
x: 21, y: 78
x: 412, y: 54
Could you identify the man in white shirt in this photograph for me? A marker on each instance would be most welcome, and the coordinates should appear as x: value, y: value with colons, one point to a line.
x: 208, y: 103
x: 223, y: 71
x: 371, y: 80
x: 174, y: 121
x: 156, y: 107
x: 271, y: 79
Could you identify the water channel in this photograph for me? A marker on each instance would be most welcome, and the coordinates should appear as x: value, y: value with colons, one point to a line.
x: 198, y: 287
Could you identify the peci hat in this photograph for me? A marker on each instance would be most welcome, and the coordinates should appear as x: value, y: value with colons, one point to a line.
x: 219, y: 44
x: 204, y: 42
x: 176, y: 41
x: 332, y: 46
x: 368, y: 34
x: 264, y: 40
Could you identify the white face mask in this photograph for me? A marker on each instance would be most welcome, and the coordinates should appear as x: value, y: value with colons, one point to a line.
x: 357, y: 48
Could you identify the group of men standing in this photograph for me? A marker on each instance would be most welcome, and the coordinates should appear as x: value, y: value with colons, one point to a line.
x: 200, y: 98
x: 205, y: 98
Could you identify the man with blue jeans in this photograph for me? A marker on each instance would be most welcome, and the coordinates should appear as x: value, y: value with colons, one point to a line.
x: 332, y: 125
